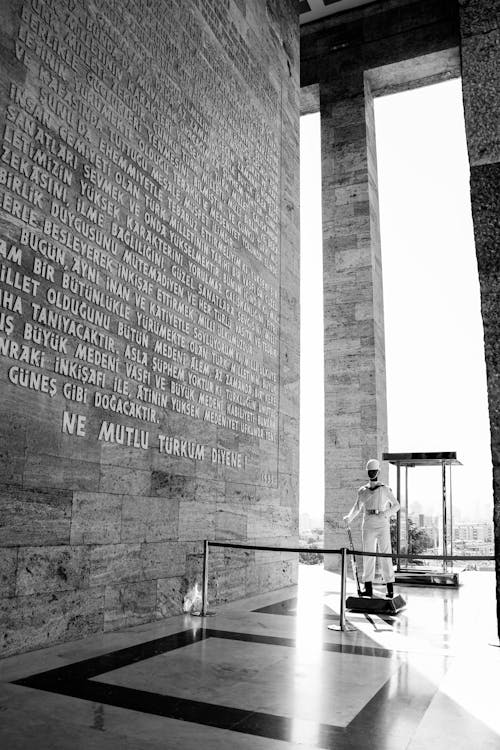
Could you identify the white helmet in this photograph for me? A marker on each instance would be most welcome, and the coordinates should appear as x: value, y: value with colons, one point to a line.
x: 373, y: 465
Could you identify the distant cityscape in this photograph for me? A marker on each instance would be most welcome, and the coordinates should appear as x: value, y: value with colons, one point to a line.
x: 474, y: 538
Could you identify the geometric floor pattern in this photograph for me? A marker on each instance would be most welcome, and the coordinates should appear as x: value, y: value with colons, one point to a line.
x: 266, y: 674
x: 78, y: 681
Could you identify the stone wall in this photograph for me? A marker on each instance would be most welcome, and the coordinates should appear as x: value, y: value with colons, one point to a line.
x: 480, y: 43
x: 148, y: 307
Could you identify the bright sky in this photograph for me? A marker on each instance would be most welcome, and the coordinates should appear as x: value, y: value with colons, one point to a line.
x: 312, y: 484
x: 436, y: 378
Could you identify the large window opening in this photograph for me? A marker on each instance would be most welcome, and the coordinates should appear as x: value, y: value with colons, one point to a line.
x: 436, y: 379
x: 312, y: 471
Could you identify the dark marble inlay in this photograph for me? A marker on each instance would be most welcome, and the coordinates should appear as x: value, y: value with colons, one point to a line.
x: 389, y: 718
x: 288, y: 607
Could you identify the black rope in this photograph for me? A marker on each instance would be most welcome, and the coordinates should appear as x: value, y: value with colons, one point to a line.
x: 233, y: 545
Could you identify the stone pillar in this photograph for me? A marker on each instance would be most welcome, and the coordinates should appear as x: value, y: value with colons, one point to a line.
x: 480, y: 44
x: 355, y: 396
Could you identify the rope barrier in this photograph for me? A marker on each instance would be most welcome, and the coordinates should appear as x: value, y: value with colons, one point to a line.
x: 343, y: 552
x: 273, y: 549
x: 312, y: 550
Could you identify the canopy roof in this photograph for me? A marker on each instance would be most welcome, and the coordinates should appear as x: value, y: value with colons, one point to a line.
x: 422, y: 459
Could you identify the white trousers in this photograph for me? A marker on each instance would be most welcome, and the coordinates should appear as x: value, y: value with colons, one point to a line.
x: 376, y: 533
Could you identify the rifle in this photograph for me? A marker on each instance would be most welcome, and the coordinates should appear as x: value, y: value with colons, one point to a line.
x: 353, y: 561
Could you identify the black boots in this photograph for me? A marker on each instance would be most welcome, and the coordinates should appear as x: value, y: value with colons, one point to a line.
x: 368, y: 589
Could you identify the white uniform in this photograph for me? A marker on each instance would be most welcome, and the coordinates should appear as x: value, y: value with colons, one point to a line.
x: 378, y: 504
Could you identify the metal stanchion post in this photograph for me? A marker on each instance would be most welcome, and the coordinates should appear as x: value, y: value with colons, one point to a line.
x: 203, y: 612
x: 398, y: 518
x: 342, y: 588
x: 343, y: 625
x: 204, y: 604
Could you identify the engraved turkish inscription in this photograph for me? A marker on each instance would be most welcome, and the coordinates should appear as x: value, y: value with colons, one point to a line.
x: 139, y: 252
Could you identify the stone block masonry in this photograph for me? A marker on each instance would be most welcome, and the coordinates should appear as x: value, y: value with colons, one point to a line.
x: 149, y: 298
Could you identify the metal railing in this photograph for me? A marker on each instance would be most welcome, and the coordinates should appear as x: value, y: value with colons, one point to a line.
x: 342, y: 551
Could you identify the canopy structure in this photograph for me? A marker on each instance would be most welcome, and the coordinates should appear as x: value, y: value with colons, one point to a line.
x: 407, y: 571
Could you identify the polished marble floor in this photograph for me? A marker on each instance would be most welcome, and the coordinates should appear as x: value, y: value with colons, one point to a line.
x: 268, y: 673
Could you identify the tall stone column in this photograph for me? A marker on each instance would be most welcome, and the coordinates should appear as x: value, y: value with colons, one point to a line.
x: 355, y: 390
x: 480, y: 45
